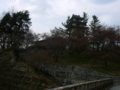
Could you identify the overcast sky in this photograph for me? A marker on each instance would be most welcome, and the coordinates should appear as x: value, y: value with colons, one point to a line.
x: 47, y: 14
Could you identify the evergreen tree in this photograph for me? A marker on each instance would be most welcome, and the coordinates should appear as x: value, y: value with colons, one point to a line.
x: 95, y: 32
x: 85, y: 19
x: 67, y: 25
x: 95, y: 25
x: 13, y: 27
x: 4, y: 29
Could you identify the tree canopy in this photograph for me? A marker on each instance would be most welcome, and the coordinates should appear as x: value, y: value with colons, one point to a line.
x: 13, y: 27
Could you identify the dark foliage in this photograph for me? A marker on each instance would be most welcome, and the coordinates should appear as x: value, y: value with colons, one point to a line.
x: 13, y: 28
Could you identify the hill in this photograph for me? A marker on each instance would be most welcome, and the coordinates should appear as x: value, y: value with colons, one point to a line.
x: 20, y: 76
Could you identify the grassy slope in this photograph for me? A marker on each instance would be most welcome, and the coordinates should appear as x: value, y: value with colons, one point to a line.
x: 89, y: 59
x: 92, y: 62
x: 45, y: 81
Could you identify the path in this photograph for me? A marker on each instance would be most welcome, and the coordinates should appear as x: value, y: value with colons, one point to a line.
x: 116, y: 87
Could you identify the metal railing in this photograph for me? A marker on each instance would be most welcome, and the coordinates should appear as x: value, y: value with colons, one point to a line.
x: 91, y: 85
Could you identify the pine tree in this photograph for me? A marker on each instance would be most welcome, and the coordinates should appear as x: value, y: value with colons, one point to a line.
x: 95, y: 25
x: 13, y: 27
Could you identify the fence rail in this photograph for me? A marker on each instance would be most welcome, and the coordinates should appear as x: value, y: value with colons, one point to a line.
x: 91, y: 85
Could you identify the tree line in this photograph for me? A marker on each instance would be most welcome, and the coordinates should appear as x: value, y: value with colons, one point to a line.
x: 82, y: 39
x: 15, y: 32
x: 94, y: 36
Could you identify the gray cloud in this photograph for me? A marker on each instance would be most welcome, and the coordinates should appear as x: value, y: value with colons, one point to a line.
x: 46, y: 14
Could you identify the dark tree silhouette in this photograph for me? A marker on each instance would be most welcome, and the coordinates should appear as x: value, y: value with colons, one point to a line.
x: 95, y: 25
x: 13, y: 27
x: 56, y: 43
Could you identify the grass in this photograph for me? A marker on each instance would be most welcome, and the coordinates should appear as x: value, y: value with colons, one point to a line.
x: 92, y: 62
x: 46, y: 81
x: 89, y: 59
